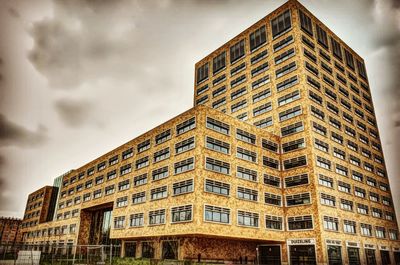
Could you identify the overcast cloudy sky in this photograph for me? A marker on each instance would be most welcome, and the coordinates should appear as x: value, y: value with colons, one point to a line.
x: 79, y: 78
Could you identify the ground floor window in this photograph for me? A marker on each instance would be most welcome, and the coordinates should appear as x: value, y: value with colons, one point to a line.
x: 354, y: 256
x: 269, y: 255
x: 385, y: 257
x: 370, y: 256
x: 130, y: 249
x: 396, y: 258
x: 147, y: 250
x: 335, y: 255
x: 302, y: 255
x: 170, y: 249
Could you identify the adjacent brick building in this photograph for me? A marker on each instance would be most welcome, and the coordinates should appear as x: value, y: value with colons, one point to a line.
x: 280, y: 160
x: 10, y: 230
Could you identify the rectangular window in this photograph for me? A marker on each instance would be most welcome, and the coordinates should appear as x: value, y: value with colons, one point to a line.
x: 259, y: 57
x: 138, y: 197
x: 362, y: 209
x: 322, y: 37
x: 259, y: 69
x: 219, y: 91
x: 181, y: 214
x: 286, y: 69
x: 283, y: 43
x: 245, y: 136
x: 258, y: 38
x: 298, y: 199
x: 217, y: 214
x: 263, y: 122
x: 270, y: 162
x: 143, y: 146
x: 248, y: 219
x: 321, y: 145
x: 281, y: 24
x: 337, y: 50
x: 331, y: 223
x: 142, y: 162
x: 161, y: 155
x: 284, y: 56
x: 121, y: 202
x: 217, y: 126
x: 272, y: 181
x: 288, y: 98
x: 186, y: 126
x: 272, y: 199
x: 328, y: 200
x: 125, y: 169
x: 285, y: 84
x: 261, y: 95
x: 246, y: 154
x: 184, y: 165
x: 297, y: 180
x: 136, y: 220
x: 349, y: 59
x: 262, y: 109
x: 217, y: 145
x: 112, y: 175
x: 217, y: 166
x: 140, y: 180
x: 238, y: 93
x: 217, y: 187
x: 366, y: 229
x: 292, y: 128
x: 346, y: 205
x: 182, y: 187
x: 160, y: 173
x: 325, y: 181
x: 361, y: 69
x: 127, y: 153
x: 273, y: 222
x: 219, y: 62
x: 300, y: 222
x: 260, y: 82
x: 123, y: 185
x: 295, y: 162
x: 290, y: 113
x: 239, y: 105
x: 293, y: 145
x: 119, y: 222
x: 202, y: 89
x: 202, y: 73
x: 163, y: 137
x: 237, y: 51
x: 344, y: 187
x: 247, y: 194
x: 312, y: 69
x: 246, y: 174
x: 109, y: 190
x: 157, y: 217
x: 305, y: 22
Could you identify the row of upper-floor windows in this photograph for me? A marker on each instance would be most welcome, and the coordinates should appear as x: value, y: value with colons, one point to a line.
x: 32, y: 214
x: 160, y: 138
x: 36, y: 196
x: 53, y: 231
x: 280, y: 25
x: 30, y: 223
x: 34, y: 206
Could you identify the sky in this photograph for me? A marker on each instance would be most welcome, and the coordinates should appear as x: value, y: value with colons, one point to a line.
x: 79, y: 78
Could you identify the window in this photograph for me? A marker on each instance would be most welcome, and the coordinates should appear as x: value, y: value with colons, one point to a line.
x: 216, y: 187
x: 217, y: 81
x: 321, y: 145
x: 286, y: 69
x: 125, y: 169
x: 362, y: 209
x: 217, y: 126
x: 186, y: 126
x: 295, y: 162
x: 90, y: 171
x: 202, y: 89
x: 159, y: 193
x: 161, y: 155
x: 281, y: 24
x: 261, y: 95
x: 357, y: 175
x: 138, y: 197
x: 288, y: 98
x: 270, y: 162
x: 272, y: 181
x: 217, y: 166
x: 262, y: 109
x: 136, y: 220
x: 140, y: 180
x: 216, y: 214
x: 337, y: 50
x: 315, y: 97
x: 119, y: 222
x: 290, y: 113
x: 142, y: 162
x: 298, y: 199
x: 380, y: 232
x: 377, y: 213
x: 283, y: 43
x: 202, y: 73
x: 247, y: 194
x: 258, y: 38
x: 259, y: 69
x: 237, y: 51
x: 163, y: 137
x: 297, y: 180
x: 143, y: 146
x: 331, y: 223
x: 160, y: 173
x: 349, y: 59
x: 127, y: 153
x: 100, y: 167
x: 359, y: 192
x: 184, y: 165
x: 123, y: 185
x: 96, y: 194
x: 349, y: 226
x: 300, y: 222
x: 239, y: 105
x: 322, y: 37
x: 269, y: 145
x: 366, y: 229
x: 109, y: 190
x: 337, y: 138
x: 248, y: 219
x: 246, y: 174
x: 284, y: 56
x: 361, y: 69
x: 311, y: 68
x: 273, y: 222
x: 121, y: 202
x: 272, y: 199
x: 259, y: 57
x: 344, y: 187
x: 182, y: 187
x: 293, y: 145
x: 245, y: 136
x: 324, y: 163
x: 305, y: 22
x: 181, y: 213
x: 393, y: 234
x: 219, y: 91
x: 112, y: 175
x: 288, y: 83
x: 157, y: 217
x: 88, y: 184
x: 219, y: 62
x: 238, y: 93
x: 292, y: 128
x: 341, y: 170
x: 246, y: 154
x: 310, y: 55
x: 328, y: 200
x: 346, y: 205
x: 99, y: 180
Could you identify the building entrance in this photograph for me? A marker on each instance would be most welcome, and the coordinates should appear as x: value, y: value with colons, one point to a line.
x: 269, y: 255
x: 302, y: 255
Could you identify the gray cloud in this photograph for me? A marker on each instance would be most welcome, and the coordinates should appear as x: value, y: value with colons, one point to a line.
x: 14, y: 12
x: 12, y: 134
x: 75, y: 113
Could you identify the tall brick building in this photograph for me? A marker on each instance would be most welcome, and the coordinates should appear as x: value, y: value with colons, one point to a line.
x: 280, y: 160
x: 10, y: 230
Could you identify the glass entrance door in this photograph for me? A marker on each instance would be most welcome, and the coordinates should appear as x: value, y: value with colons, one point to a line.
x: 370, y: 256
x: 269, y: 255
x: 302, y: 255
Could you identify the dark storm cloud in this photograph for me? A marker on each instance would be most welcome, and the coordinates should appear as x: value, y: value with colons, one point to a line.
x: 74, y: 113
x: 14, y: 12
x: 12, y: 134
